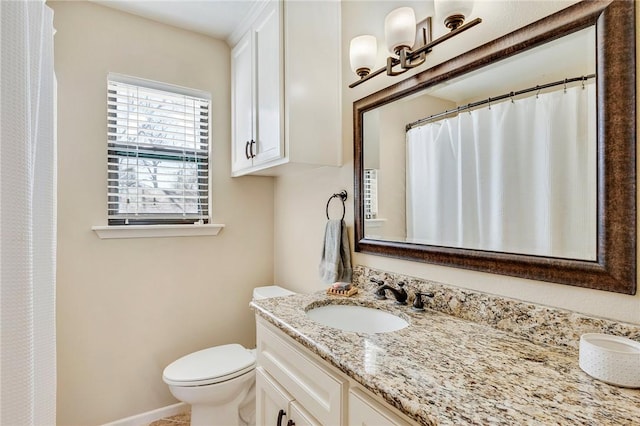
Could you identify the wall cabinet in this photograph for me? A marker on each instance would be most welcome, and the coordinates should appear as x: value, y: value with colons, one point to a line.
x: 257, y: 92
x: 286, y: 89
x: 295, y: 387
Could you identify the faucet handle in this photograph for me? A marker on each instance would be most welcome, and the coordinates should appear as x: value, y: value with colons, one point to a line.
x: 418, y: 304
x: 379, y: 293
x: 403, y: 293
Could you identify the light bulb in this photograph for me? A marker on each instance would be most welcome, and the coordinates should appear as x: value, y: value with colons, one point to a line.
x: 453, y: 12
x: 363, y: 52
x: 400, y: 29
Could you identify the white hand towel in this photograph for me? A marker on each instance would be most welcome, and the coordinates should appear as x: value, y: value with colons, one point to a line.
x: 335, y: 264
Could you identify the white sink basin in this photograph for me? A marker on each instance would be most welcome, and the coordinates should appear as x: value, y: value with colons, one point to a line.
x: 356, y: 318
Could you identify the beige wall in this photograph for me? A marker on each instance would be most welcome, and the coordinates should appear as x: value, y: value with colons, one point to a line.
x: 127, y: 308
x: 299, y: 199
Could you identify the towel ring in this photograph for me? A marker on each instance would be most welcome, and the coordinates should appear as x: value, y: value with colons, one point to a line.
x: 343, y: 197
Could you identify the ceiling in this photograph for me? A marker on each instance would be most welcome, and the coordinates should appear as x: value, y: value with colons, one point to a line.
x: 215, y: 18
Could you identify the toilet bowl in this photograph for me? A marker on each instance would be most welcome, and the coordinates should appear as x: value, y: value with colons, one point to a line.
x: 218, y: 382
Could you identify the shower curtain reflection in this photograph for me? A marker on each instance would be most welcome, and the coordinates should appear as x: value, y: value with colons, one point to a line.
x: 516, y: 177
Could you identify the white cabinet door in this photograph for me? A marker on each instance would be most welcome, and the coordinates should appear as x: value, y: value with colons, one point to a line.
x: 274, y: 406
x: 272, y: 402
x: 258, y: 93
x: 242, y: 103
x: 269, y: 84
x: 363, y: 411
x: 299, y: 417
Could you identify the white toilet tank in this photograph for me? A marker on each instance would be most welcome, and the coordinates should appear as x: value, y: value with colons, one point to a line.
x: 269, y: 291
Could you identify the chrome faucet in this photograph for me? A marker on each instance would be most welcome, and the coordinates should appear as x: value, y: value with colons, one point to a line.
x: 400, y: 294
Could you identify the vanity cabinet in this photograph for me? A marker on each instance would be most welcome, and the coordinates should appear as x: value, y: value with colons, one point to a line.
x: 315, y: 389
x: 295, y: 387
x: 286, y: 90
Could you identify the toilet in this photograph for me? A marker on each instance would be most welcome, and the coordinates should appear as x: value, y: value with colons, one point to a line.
x: 218, y: 382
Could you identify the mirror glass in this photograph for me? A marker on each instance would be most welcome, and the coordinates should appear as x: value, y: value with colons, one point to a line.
x: 515, y: 173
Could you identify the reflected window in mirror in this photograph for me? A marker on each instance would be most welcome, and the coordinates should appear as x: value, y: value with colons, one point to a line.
x: 370, y: 194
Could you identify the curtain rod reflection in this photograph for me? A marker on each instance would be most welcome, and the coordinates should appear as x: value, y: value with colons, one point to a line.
x: 471, y: 105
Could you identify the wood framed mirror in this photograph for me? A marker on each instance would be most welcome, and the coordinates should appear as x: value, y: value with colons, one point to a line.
x: 603, y: 255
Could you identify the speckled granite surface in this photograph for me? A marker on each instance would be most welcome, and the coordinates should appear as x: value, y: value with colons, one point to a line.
x: 451, y: 371
x: 537, y: 323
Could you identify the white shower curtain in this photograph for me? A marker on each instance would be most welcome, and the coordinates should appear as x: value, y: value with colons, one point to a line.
x: 27, y: 214
x: 519, y: 177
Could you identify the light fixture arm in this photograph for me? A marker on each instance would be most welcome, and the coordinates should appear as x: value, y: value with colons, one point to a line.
x: 417, y: 55
x: 447, y: 36
x: 392, y: 62
x: 406, y: 63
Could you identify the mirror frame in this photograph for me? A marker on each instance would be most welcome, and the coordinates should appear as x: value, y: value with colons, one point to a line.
x: 615, y: 266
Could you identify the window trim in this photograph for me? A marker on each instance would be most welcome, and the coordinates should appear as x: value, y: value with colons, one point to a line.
x: 156, y: 231
x: 165, y: 153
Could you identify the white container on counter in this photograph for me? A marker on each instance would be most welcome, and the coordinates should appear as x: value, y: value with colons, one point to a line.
x: 611, y: 359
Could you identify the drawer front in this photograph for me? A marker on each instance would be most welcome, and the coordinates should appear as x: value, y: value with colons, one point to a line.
x: 313, y: 387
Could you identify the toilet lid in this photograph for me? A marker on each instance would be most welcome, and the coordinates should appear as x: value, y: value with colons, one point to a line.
x: 209, y: 366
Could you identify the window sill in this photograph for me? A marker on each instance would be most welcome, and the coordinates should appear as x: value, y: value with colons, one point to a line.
x: 156, y: 231
x: 374, y: 223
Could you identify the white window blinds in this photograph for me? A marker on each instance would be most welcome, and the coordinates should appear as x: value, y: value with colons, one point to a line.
x: 158, y: 153
x: 370, y: 193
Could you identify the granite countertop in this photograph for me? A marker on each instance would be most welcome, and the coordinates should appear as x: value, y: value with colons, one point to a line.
x: 446, y: 370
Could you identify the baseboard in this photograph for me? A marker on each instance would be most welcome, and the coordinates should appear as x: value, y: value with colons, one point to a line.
x: 144, y: 419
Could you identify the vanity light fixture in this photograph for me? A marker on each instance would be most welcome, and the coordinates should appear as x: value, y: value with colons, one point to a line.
x: 400, y: 35
x: 455, y: 11
x: 362, y: 53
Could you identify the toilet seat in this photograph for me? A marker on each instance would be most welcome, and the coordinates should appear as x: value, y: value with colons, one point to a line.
x: 210, y: 366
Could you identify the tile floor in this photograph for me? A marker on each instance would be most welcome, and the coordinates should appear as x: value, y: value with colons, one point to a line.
x: 183, y: 419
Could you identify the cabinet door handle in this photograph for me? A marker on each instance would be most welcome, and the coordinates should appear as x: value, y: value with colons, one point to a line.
x: 281, y: 414
x: 291, y: 423
x: 251, y: 148
x: 246, y: 150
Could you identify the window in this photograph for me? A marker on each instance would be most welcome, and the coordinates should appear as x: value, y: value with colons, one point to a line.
x: 370, y: 193
x: 158, y: 153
